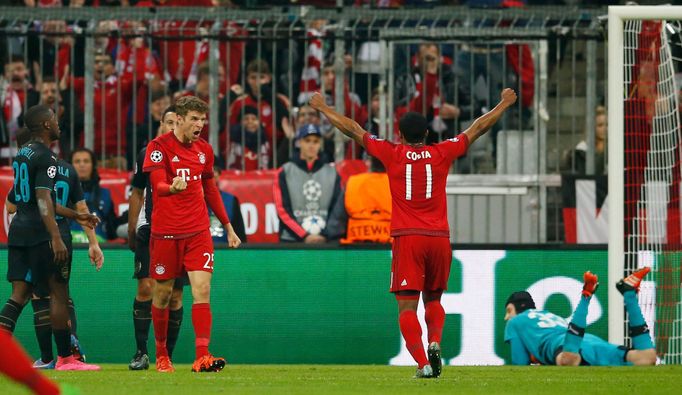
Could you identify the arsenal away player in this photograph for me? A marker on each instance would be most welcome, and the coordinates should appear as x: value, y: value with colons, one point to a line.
x: 422, y: 254
x: 181, y: 171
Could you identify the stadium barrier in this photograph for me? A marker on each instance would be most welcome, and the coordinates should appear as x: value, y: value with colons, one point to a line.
x: 552, y: 55
x: 330, y: 306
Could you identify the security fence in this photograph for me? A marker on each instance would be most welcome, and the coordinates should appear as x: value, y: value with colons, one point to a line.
x: 111, y: 72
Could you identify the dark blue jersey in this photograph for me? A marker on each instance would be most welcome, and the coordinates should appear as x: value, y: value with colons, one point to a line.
x: 35, y: 167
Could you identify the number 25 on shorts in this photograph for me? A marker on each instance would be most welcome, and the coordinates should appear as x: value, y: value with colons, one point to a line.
x: 209, y: 261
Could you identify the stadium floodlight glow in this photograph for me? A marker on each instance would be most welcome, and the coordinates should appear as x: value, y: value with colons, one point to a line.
x: 644, y: 193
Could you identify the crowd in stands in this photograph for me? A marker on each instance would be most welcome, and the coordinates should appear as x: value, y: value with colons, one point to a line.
x: 264, y: 121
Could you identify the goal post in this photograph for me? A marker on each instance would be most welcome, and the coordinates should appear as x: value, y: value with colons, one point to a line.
x: 644, y: 204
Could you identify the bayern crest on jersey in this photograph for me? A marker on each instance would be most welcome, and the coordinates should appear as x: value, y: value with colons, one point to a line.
x: 202, y: 158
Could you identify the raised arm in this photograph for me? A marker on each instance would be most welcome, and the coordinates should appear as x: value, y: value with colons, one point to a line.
x: 483, y: 123
x: 346, y: 125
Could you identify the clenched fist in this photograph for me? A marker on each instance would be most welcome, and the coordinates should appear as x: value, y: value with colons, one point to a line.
x: 179, y: 185
x: 317, y: 101
x: 508, y: 97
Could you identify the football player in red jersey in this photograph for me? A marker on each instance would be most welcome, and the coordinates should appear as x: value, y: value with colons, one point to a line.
x: 421, y: 248
x: 181, y: 178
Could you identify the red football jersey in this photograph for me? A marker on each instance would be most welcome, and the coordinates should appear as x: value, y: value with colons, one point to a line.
x: 417, y: 177
x: 184, y: 213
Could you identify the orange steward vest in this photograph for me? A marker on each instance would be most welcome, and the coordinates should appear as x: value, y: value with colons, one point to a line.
x: 368, y: 204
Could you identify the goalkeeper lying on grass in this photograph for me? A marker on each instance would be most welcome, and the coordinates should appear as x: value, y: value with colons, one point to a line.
x: 538, y: 336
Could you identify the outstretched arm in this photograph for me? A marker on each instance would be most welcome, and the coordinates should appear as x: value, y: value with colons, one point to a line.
x: 346, y: 125
x: 483, y: 123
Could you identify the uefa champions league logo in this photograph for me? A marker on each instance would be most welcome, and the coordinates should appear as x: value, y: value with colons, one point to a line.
x: 312, y: 190
x: 156, y: 156
x: 52, y: 171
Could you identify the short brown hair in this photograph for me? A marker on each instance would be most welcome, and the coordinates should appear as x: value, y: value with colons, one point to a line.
x: 186, y: 104
x: 258, y: 66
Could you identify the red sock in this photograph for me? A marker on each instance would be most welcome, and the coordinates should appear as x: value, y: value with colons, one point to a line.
x: 412, y: 332
x: 201, y: 320
x: 435, y: 320
x: 160, y: 320
x: 15, y: 363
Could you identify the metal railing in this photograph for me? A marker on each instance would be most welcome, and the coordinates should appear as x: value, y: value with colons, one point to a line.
x: 376, y: 61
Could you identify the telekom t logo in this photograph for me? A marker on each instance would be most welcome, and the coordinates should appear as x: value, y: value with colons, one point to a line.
x: 184, y: 173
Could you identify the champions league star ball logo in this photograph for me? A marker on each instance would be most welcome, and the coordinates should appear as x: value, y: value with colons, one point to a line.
x: 202, y: 158
x: 52, y: 171
x: 313, y: 224
x: 312, y: 190
x: 156, y: 156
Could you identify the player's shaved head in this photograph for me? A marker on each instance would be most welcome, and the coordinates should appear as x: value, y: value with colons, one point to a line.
x: 413, y: 127
x: 36, y: 117
x: 190, y: 103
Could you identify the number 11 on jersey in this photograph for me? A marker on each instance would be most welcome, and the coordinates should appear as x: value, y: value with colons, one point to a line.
x: 408, y: 181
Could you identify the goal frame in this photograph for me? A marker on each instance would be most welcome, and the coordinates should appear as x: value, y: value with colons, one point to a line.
x: 616, y: 132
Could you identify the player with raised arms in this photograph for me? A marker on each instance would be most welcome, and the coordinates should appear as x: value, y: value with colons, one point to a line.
x: 180, y: 167
x: 421, y: 249
x: 538, y: 336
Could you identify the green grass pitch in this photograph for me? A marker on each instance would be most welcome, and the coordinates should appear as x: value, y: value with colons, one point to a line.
x: 369, y: 379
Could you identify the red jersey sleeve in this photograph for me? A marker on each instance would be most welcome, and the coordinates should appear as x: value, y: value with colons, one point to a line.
x: 207, y: 173
x: 379, y: 148
x: 454, y: 147
x: 155, y: 157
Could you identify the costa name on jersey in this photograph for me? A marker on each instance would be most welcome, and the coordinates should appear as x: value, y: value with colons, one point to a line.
x: 417, y: 176
x: 179, y: 215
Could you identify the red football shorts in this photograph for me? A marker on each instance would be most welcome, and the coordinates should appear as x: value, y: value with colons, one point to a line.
x: 420, y: 263
x: 171, y: 258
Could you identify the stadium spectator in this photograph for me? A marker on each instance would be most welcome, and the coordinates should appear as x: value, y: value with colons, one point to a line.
x: 575, y: 161
x: 135, y: 62
x: 233, y: 210
x: 49, y: 54
x: 273, y: 115
x: 308, y: 194
x: 368, y: 206
x: 429, y: 89
x: 249, y: 148
x: 305, y: 115
x: 16, y: 94
x: 310, y: 76
x: 146, y: 130
x: 98, y: 198
x: 59, y: 100
x: 112, y: 98
x: 351, y: 104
